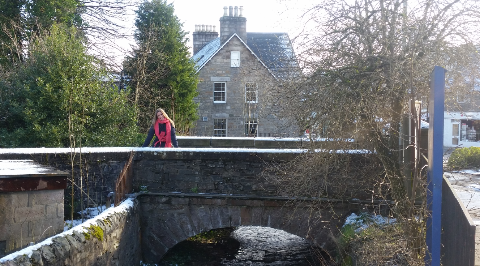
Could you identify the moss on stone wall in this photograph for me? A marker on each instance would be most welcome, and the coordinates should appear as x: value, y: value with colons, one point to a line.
x: 94, y: 231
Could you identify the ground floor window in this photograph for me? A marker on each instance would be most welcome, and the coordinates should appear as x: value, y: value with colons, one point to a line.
x: 469, y: 130
x: 220, y: 127
x: 251, y: 127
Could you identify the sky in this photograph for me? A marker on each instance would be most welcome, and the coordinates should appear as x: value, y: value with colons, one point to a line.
x: 261, y: 15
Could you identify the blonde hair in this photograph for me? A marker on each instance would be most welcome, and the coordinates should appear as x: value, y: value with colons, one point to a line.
x: 154, y: 120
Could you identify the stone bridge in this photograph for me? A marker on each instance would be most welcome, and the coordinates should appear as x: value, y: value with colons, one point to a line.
x: 187, y: 191
x: 167, y: 219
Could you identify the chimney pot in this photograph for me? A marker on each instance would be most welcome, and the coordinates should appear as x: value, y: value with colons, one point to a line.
x: 214, y: 28
x: 241, y: 11
x: 209, y: 28
x: 196, y: 27
x: 230, y: 11
x: 236, y: 11
x: 225, y: 11
x: 203, y: 27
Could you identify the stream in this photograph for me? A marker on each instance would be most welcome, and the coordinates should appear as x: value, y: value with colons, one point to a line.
x: 244, y: 245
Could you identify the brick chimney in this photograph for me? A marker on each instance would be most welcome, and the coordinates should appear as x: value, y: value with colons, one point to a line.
x: 202, y: 35
x: 233, y: 22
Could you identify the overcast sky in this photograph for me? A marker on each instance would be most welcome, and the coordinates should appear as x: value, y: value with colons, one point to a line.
x: 261, y: 15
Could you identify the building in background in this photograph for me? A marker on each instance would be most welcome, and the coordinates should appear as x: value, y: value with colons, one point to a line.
x: 462, y: 117
x: 238, y: 73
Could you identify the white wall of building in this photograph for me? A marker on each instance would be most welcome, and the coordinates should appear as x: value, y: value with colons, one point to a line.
x: 454, y: 118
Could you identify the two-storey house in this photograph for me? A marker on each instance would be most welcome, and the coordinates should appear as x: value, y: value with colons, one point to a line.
x: 238, y: 70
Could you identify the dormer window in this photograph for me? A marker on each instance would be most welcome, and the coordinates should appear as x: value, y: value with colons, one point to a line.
x: 235, y: 58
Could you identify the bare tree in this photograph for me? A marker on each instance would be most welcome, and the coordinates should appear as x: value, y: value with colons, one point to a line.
x: 364, y: 63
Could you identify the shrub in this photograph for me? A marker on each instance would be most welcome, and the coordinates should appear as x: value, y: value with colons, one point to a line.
x: 464, y: 158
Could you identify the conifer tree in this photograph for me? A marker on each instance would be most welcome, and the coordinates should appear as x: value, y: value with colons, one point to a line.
x: 162, y: 74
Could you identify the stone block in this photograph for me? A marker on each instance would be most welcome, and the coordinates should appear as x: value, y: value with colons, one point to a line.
x: 232, y: 143
x: 61, y: 247
x: 6, y: 211
x: 42, y: 229
x: 51, y: 211
x: 44, y: 197
x: 48, y: 255
x: 36, y: 258
x: 277, y: 144
x: 60, y: 211
x: 16, y: 235
x: 19, y: 199
x: 193, y: 142
x: 29, y: 213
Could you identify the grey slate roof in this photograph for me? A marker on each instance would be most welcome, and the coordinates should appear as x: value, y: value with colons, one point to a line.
x: 274, y: 50
x: 202, y: 56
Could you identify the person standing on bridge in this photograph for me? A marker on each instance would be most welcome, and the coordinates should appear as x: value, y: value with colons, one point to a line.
x: 164, y: 130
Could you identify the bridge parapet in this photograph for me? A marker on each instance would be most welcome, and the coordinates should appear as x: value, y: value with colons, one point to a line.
x: 237, y: 171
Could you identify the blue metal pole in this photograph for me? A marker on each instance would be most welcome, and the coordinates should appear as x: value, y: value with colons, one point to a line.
x: 435, y: 166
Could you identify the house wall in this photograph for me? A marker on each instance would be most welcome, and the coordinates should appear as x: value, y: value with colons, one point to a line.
x: 235, y: 109
x: 451, y: 118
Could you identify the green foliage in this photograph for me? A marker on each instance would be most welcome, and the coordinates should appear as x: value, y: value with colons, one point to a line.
x: 464, y: 158
x: 162, y: 74
x: 212, y: 236
x: 95, y: 231
x: 44, y: 13
x: 59, y: 97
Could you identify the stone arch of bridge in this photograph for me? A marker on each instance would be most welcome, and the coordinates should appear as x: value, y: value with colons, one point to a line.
x: 166, y: 220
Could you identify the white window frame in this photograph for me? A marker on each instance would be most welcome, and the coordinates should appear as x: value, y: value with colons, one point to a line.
x: 218, y: 93
x: 247, y: 91
x: 247, y: 124
x: 220, y: 132
x: 235, y: 59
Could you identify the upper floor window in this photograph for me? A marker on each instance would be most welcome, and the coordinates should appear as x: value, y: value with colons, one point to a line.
x: 219, y: 92
x: 219, y: 127
x: 235, y: 58
x: 251, y: 92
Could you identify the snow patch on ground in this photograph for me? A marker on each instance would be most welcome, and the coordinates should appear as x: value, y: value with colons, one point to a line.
x: 364, y: 220
x: 88, y: 213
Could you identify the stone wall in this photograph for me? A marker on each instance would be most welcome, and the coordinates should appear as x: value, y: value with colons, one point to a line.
x: 206, y: 171
x: 119, y: 243
x: 29, y: 216
x: 243, y: 172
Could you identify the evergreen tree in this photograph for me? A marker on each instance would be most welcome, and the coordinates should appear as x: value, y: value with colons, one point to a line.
x: 59, y: 98
x: 162, y: 74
